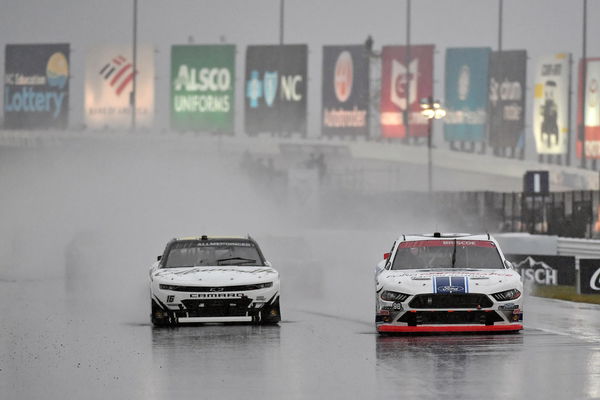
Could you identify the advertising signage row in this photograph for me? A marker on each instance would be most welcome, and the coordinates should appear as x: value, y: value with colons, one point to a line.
x: 485, y: 92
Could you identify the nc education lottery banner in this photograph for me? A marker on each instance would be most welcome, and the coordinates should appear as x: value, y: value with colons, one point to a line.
x: 551, y: 104
x: 36, y: 86
x: 345, y: 91
x: 466, y: 94
x: 109, y: 85
x: 202, y: 88
x: 275, y: 89
x: 508, y: 73
x: 404, y: 82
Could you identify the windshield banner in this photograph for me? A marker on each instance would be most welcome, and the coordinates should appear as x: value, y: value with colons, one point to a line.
x: 345, y: 91
x: 592, y: 109
x: 36, y: 86
x: 275, y: 89
x: 202, y: 88
x: 551, y: 104
x: 404, y: 82
x: 466, y: 94
x: 544, y: 269
x: 508, y: 73
x: 447, y: 243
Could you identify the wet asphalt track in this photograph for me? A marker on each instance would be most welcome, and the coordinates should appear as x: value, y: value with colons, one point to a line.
x: 55, y: 350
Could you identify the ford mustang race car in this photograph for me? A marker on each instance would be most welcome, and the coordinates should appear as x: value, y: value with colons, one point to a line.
x: 213, y: 279
x: 447, y: 283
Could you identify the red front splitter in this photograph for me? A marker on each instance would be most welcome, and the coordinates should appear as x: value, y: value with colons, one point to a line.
x: 449, y: 328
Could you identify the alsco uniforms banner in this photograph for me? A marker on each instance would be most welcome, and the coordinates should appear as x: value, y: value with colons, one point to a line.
x: 202, y: 88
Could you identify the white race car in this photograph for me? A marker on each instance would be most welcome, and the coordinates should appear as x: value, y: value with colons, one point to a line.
x: 447, y: 283
x: 213, y: 279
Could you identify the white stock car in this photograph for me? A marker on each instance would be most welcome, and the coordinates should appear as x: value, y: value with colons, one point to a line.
x: 213, y: 279
x: 447, y: 283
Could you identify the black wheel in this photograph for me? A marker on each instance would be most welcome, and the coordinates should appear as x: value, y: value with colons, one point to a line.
x: 271, y: 314
x: 158, y: 316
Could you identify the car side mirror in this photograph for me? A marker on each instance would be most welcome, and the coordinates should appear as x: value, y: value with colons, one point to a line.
x: 158, y: 258
x: 386, y: 256
x: 268, y: 263
x: 509, y: 265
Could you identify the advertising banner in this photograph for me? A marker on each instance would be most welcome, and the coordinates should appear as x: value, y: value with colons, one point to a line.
x: 202, y: 88
x: 275, y: 92
x: 551, y: 104
x: 466, y: 94
x: 545, y: 270
x: 345, y: 91
x: 508, y: 72
x: 109, y: 85
x: 36, y: 86
x: 592, y: 109
x: 404, y: 82
x: 589, y: 276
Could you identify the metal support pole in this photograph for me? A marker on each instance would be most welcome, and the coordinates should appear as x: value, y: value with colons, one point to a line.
x: 584, y: 86
x: 408, y: 76
x: 429, y: 158
x: 133, y: 89
x: 281, y: 20
x: 500, y: 12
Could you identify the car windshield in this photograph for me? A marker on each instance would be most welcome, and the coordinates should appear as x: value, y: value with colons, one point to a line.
x: 191, y: 253
x: 448, y: 253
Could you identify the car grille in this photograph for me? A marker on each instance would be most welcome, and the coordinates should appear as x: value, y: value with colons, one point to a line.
x: 217, y: 289
x: 450, y: 318
x: 216, y: 308
x: 469, y: 300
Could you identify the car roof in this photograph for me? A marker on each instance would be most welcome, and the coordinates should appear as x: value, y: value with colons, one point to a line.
x: 439, y: 235
x: 206, y: 237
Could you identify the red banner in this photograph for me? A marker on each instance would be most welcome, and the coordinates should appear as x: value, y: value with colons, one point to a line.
x: 592, y: 110
x: 401, y: 78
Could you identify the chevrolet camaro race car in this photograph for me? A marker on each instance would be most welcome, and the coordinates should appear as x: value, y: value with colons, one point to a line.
x: 213, y: 279
x: 447, y: 283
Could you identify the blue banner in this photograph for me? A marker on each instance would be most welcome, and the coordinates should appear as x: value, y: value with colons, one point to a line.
x: 466, y: 94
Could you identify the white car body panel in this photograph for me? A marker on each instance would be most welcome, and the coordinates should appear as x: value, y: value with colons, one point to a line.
x: 436, y: 292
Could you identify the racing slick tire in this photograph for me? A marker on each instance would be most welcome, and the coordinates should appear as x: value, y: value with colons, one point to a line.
x: 270, y: 315
x: 159, y: 321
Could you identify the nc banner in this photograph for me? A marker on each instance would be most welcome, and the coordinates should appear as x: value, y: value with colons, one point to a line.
x: 508, y: 71
x: 544, y: 269
x: 275, y: 89
x: 466, y: 94
x: 592, y: 109
x: 109, y: 85
x: 404, y: 82
x: 36, y: 86
x: 345, y: 91
x: 202, y: 88
x: 551, y: 104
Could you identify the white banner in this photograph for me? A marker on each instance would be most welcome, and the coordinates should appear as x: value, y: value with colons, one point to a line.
x: 551, y: 104
x: 109, y: 84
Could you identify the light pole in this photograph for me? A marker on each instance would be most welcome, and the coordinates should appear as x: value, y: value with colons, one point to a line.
x: 431, y: 109
x: 133, y: 89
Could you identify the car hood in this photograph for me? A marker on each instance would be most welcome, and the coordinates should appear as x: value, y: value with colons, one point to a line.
x: 449, y: 281
x: 216, y: 276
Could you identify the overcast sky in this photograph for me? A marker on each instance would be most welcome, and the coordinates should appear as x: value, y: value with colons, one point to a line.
x: 539, y: 26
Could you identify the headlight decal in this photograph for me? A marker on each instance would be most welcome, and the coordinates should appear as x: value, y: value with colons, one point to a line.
x: 506, y: 295
x: 388, y: 295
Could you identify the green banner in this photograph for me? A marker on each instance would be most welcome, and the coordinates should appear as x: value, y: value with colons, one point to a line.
x: 202, y: 88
